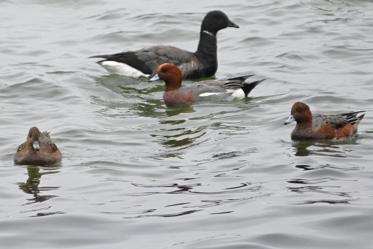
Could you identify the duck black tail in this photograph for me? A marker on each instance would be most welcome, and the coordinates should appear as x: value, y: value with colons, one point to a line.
x: 240, y: 78
x: 354, y: 117
x: 247, y: 87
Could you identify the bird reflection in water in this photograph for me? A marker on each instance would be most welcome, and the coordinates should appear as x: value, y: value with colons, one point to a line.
x: 31, y: 186
x: 322, y: 148
x: 301, y: 148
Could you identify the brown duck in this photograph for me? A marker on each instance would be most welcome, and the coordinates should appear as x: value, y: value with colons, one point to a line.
x: 37, y: 150
x: 310, y: 126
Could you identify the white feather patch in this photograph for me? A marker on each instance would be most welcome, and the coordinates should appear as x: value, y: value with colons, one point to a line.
x: 208, y: 94
x: 359, y: 117
x: 122, y: 69
x: 238, y: 94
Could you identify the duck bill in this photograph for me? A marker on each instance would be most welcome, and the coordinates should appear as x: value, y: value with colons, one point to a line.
x: 232, y: 24
x: 155, y: 77
x: 289, y: 120
x: 36, y: 145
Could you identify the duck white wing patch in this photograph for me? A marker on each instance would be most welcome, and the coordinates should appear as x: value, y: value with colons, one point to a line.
x: 209, y: 94
x: 122, y: 69
x: 237, y: 93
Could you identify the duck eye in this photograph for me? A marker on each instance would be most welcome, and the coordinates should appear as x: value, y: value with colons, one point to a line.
x: 54, y: 147
x: 299, y: 110
x: 20, y: 147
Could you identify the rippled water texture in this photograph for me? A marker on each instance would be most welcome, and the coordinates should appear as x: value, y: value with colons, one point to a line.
x: 218, y: 175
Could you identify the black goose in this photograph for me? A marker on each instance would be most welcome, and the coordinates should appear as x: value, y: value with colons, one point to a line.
x: 199, y: 64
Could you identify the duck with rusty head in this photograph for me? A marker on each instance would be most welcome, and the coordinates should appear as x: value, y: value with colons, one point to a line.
x: 176, y: 95
x: 37, y: 150
x: 321, y: 126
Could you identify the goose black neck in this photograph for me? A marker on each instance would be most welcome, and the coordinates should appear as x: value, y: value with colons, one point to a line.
x: 207, y: 44
x: 207, y: 54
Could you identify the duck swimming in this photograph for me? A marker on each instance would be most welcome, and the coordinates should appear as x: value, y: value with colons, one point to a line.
x: 37, y: 150
x: 310, y: 126
x: 176, y: 95
x: 202, y: 63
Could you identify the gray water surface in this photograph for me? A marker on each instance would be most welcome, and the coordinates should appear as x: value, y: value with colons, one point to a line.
x: 136, y: 174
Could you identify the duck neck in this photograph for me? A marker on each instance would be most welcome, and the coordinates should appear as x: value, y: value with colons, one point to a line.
x: 305, y: 125
x: 172, y: 85
x: 207, y: 47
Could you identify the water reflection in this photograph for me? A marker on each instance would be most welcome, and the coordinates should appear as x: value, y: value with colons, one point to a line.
x: 148, y: 102
x: 31, y: 186
x: 328, y: 202
x: 326, y: 148
x: 318, y: 192
x: 125, y: 85
x: 301, y: 148
x: 180, y: 137
x: 156, y: 108
x: 176, y: 111
x: 172, y: 132
x: 151, y: 108
x: 200, y: 197
x: 114, y: 81
x: 304, y: 167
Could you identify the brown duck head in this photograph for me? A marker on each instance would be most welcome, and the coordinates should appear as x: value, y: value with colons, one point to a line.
x: 170, y: 74
x: 37, y: 150
x: 301, y: 113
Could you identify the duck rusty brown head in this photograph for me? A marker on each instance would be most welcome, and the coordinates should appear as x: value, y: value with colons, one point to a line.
x: 170, y: 74
x: 37, y: 150
x: 301, y: 113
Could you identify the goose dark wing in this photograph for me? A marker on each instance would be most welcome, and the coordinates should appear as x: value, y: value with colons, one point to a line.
x: 147, y: 60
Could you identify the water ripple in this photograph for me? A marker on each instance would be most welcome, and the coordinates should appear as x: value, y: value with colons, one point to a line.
x: 215, y: 175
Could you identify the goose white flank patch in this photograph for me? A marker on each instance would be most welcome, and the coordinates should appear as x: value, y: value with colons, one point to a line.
x: 123, y: 69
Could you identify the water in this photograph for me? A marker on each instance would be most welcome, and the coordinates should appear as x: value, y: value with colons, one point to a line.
x: 218, y: 175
